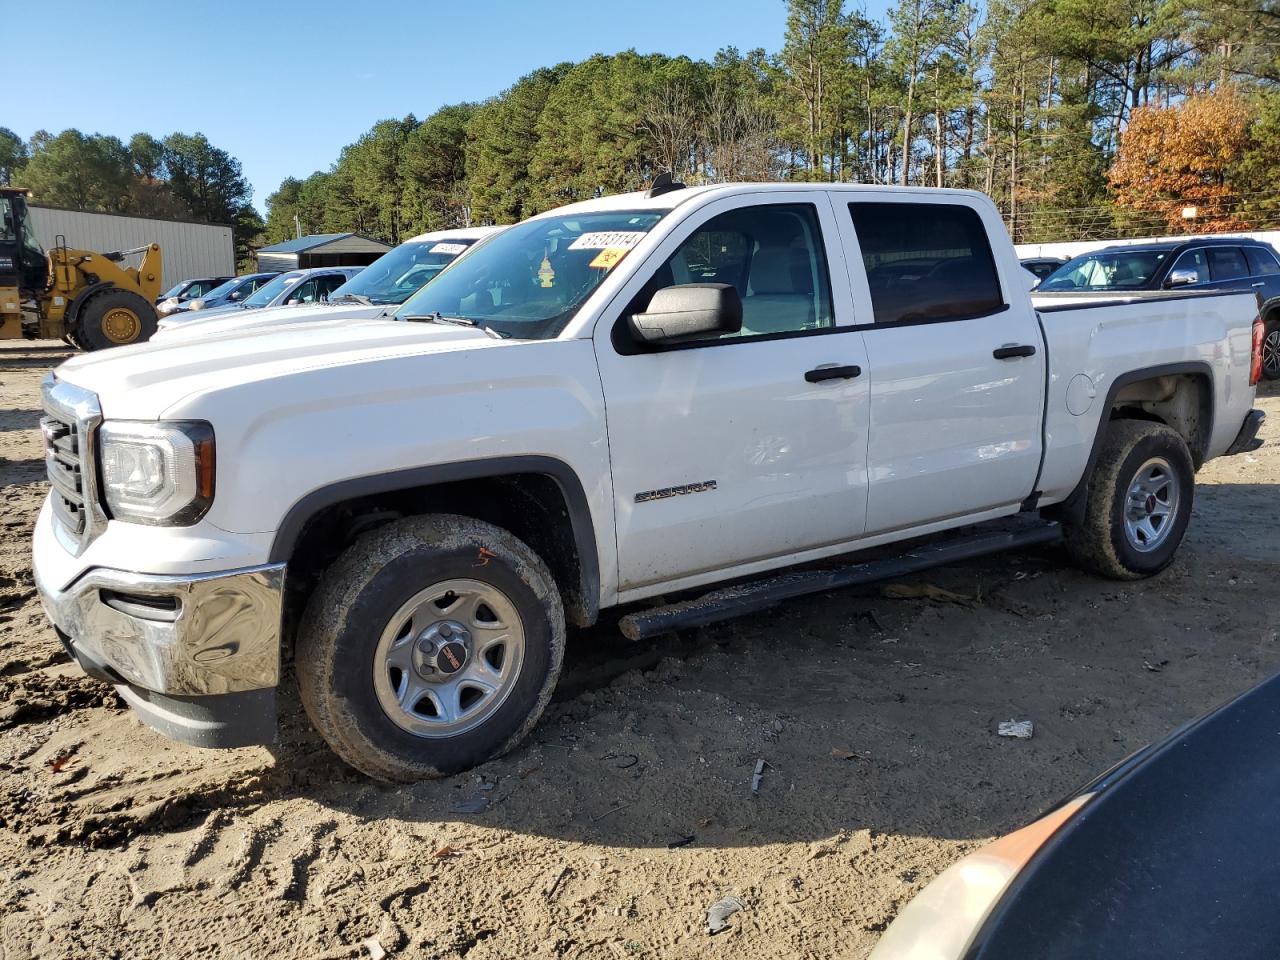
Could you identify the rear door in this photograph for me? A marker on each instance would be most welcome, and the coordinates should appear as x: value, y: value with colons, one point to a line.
x: 1264, y: 272
x: 956, y: 362
x: 739, y: 448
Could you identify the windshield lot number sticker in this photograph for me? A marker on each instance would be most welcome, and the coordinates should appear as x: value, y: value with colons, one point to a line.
x: 608, y: 240
x: 454, y: 248
x: 608, y: 259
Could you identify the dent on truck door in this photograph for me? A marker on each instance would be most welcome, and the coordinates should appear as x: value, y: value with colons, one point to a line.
x: 746, y: 446
x: 957, y: 374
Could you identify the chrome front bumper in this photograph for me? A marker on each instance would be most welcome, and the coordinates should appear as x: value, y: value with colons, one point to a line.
x: 197, y: 657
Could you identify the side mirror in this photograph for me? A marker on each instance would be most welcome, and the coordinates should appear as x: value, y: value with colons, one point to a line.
x: 1181, y: 277
x: 686, y: 311
x: 235, y: 295
x: 292, y: 303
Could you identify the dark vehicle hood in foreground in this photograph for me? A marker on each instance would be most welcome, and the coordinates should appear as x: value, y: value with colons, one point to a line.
x: 1178, y: 854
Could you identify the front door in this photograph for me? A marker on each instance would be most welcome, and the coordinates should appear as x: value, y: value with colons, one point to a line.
x: 957, y: 367
x: 723, y: 452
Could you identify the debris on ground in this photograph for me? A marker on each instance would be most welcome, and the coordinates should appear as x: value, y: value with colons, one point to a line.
x: 376, y: 950
x: 63, y: 757
x: 757, y: 777
x: 924, y: 591
x: 720, y: 912
x: 469, y: 805
x: 1017, y: 729
x: 843, y: 753
x: 1155, y: 667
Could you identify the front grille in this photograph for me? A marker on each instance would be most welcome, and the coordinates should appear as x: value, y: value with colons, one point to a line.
x: 71, y: 418
x: 62, y: 443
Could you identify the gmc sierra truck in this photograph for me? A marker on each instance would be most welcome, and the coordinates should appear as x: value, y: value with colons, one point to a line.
x: 618, y: 402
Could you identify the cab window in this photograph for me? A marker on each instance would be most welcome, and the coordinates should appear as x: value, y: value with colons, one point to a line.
x: 1194, y: 260
x: 1227, y: 263
x: 771, y: 254
x: 926, y: 261
x: 1262, y: 263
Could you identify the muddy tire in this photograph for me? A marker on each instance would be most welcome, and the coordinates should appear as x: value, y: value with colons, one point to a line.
x: 114, y: 318
x: 1139, y: 502
x: 431, y: 645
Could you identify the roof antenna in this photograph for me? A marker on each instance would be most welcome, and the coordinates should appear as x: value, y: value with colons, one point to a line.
x: 663, y: 183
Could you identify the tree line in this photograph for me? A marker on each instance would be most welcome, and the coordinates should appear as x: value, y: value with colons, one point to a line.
x: 1082, y: 119
x: 182, y: 176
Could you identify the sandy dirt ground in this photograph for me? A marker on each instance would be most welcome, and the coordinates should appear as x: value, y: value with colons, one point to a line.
x: 630, y: 811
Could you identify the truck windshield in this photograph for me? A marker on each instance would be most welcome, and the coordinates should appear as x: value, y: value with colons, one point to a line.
x: 1106, y: 270
x: 393, y: 277
x: 269, y: 291
x: 530, y: 280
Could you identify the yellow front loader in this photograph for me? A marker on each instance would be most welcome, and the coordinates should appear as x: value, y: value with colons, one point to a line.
x: 88, y: 299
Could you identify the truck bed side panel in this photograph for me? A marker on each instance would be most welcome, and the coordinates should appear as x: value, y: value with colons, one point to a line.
x: 1106, y: 342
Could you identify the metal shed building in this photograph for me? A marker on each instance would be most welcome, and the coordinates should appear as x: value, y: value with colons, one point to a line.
x: 190, y: 249
x: 321, y: 250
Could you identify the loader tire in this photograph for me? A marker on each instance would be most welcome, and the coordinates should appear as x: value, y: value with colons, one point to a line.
x: 1139, y: 502
x: 114, y: 318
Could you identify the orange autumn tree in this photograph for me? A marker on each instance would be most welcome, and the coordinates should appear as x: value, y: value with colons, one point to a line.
x: 1179, y: 156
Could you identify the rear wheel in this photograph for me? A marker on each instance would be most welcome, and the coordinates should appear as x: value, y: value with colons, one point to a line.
x: 432, y: 645
x: 114, y: 318
x: 1139, y: 505
x: 1271, y: 351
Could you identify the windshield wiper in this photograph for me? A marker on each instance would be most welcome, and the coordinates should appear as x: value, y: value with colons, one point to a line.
x: 438, y: 317
x: 357, y: 297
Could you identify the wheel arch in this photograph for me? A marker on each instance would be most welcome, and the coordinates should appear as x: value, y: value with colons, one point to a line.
x: 1125, y: 401
x: 539, y: 499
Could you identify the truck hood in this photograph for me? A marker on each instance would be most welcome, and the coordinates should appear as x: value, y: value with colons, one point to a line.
x: 142, y: 382
x: 206, y: 323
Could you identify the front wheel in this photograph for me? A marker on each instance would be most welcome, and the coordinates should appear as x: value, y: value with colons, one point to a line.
x: 432, y: 645
x: 1139, y: 502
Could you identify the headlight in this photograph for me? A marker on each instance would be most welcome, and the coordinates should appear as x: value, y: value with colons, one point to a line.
x: 941, y: 922
x: 157, y: 473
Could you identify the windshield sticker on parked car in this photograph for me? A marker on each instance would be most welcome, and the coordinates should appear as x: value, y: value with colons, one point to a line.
x: 608, y: 239
x: 608, y: 258
x: 454, y: 248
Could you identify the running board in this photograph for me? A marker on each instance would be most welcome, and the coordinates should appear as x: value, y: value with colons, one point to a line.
x: 745, y: 598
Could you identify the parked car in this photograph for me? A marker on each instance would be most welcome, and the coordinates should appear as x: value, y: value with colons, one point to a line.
x: 1171, y: 853
x: 230, y: 292
x: 189, y: 290
x: 1041, y: 267
x: 609, y: 403
x: 376, y: 290
x: 1204, y: 263
x: 292, y: 288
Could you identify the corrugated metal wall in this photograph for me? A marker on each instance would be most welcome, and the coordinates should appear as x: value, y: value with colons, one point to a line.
x: 189, y: 249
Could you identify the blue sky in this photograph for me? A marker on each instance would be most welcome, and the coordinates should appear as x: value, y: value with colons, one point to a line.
x: 284, y: 86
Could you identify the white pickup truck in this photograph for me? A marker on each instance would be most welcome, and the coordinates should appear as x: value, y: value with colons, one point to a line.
x: 614, y: 402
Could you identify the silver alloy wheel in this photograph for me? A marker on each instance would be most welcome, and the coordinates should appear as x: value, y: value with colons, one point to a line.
x: 1151, y: 505
x: 1271, y: 354
x: 449, y: 658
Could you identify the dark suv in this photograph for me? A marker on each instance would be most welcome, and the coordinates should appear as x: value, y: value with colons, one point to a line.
x: 1218, y: 263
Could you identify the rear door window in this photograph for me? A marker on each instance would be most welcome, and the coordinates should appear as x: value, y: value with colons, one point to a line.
x: 926, y: 261
x: 1262, y: 263
x: 1227, y: 263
